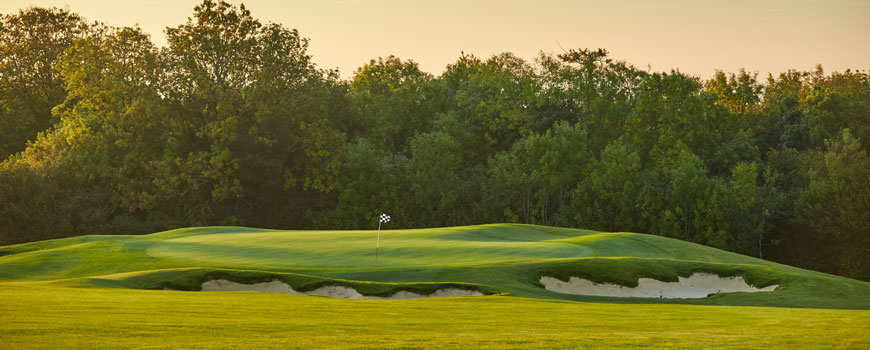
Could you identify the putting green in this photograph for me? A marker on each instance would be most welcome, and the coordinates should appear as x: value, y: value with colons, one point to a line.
x: 496, y: 259
x: 355, y: 250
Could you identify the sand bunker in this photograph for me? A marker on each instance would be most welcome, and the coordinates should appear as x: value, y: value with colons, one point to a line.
x: 276, y: 286
x: 699, y: 285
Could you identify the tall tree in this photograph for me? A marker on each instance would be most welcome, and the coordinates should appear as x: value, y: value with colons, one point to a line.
x: 608, y: 197
x: 836, y: 207
x: 392, y: 100
x: 495, y: 97
x: 90, y: 172
x: 538, y: 173
x: 31, y: 42
x: 596, y: 91
x: 250, y: 106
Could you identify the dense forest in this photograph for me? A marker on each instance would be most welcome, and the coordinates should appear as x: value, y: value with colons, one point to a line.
x: 232, y: 123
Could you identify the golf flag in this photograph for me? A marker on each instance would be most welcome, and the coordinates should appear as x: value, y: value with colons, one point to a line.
x: 384, y: 219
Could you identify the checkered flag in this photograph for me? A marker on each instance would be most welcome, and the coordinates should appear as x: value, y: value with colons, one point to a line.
x: 383, y: 220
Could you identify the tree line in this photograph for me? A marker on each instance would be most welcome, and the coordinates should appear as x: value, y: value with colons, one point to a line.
x: 233, y: 124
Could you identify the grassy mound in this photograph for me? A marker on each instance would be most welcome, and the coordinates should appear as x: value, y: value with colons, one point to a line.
x: 191, y: 279
x: 493, y: 259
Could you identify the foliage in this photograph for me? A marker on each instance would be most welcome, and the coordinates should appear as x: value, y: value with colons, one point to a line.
x: 232, y: 123
x: 836, y: 204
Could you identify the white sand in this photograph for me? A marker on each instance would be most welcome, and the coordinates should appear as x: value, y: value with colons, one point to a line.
x: 336, y: 292
x: 699, y: 285
x: 276, y: 286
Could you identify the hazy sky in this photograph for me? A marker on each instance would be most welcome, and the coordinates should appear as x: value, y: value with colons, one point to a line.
x: 696, y: 36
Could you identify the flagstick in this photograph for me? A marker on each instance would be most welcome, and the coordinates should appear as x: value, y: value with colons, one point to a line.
x: 378, y: 244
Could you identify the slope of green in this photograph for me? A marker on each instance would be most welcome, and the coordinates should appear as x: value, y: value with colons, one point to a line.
x: 498, y: 258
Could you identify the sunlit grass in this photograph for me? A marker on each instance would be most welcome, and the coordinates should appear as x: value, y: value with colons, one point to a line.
x: 106, y: 292
x: 53, y: 317
x: 500, y: 258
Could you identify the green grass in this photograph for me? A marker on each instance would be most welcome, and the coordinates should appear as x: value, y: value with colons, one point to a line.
x: 106, y: 291
x: 57, y: 317
x: 496, y: 259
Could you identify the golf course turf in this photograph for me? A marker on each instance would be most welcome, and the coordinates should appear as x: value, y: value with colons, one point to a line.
x: 110, y: 291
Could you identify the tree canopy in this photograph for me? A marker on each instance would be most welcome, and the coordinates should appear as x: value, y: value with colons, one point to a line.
x: 232, y: 123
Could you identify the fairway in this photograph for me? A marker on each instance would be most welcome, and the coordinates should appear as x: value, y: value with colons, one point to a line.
x: 111, y: 318
x: 108, y: 291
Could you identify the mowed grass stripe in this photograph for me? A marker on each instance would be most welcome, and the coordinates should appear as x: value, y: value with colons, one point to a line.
x: 289, y: 250
x: 45, y: 317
